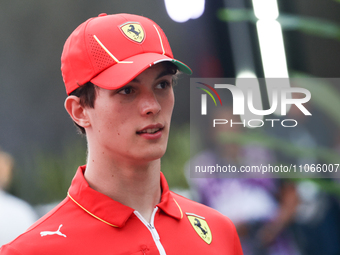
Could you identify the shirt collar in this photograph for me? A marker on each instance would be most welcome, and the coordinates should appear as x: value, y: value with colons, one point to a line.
x: 110, y: 211
x: 168, y: 203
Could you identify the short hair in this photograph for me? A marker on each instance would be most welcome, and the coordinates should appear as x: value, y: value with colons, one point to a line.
x: 87, y: 93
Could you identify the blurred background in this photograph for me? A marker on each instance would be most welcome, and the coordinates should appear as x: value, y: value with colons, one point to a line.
x: 215, y: 38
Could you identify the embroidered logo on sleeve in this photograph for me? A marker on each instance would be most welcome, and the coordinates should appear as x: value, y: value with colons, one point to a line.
x: 201, y: 227
x: 49, y: 233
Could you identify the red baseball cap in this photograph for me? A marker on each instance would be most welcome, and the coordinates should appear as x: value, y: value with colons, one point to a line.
x: 111, y: 50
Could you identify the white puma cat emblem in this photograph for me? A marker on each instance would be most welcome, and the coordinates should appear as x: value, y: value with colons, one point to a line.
x: 46, y: 233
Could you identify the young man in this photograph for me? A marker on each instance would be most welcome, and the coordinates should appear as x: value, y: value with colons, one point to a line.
x: 120, y: 203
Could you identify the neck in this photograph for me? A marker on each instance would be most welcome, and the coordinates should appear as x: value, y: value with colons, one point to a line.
x: 134, y: 185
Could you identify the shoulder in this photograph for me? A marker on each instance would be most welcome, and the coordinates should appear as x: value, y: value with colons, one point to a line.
x: 190, y: 207
x: 210, y: 224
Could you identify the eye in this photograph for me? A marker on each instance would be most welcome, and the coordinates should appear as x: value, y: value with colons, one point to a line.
x: 126, y: 90
x: 163, y: 85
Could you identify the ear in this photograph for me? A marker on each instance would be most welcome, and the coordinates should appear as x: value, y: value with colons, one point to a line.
x: 76, y: 111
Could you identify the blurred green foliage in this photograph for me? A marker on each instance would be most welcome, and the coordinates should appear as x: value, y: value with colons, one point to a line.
x: 281, y: 145
x: 309, y: 25
x: 325, y: 97
x: 176, y: 156
x: 46, y: 176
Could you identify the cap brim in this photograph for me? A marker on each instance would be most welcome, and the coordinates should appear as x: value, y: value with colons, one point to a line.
x: 123, y: 72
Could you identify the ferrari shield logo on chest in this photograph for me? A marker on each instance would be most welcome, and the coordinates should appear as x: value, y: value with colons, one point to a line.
x: 133, y: 31
x: 201, y: 227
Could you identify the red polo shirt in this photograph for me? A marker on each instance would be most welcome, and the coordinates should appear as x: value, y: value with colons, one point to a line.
x: 88, y: 222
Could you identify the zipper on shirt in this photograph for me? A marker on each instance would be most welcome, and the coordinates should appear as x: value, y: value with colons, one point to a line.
x: 152, y: 229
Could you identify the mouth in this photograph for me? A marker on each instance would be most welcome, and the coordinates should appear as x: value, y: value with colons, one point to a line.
x: 151, y: 129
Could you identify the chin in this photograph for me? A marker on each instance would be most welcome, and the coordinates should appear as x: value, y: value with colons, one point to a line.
x: 154, y: 155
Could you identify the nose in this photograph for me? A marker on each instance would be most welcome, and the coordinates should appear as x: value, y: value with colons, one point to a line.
x: 149, y: 104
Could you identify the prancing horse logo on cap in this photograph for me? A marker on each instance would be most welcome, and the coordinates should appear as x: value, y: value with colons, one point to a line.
x: 133, y: 31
